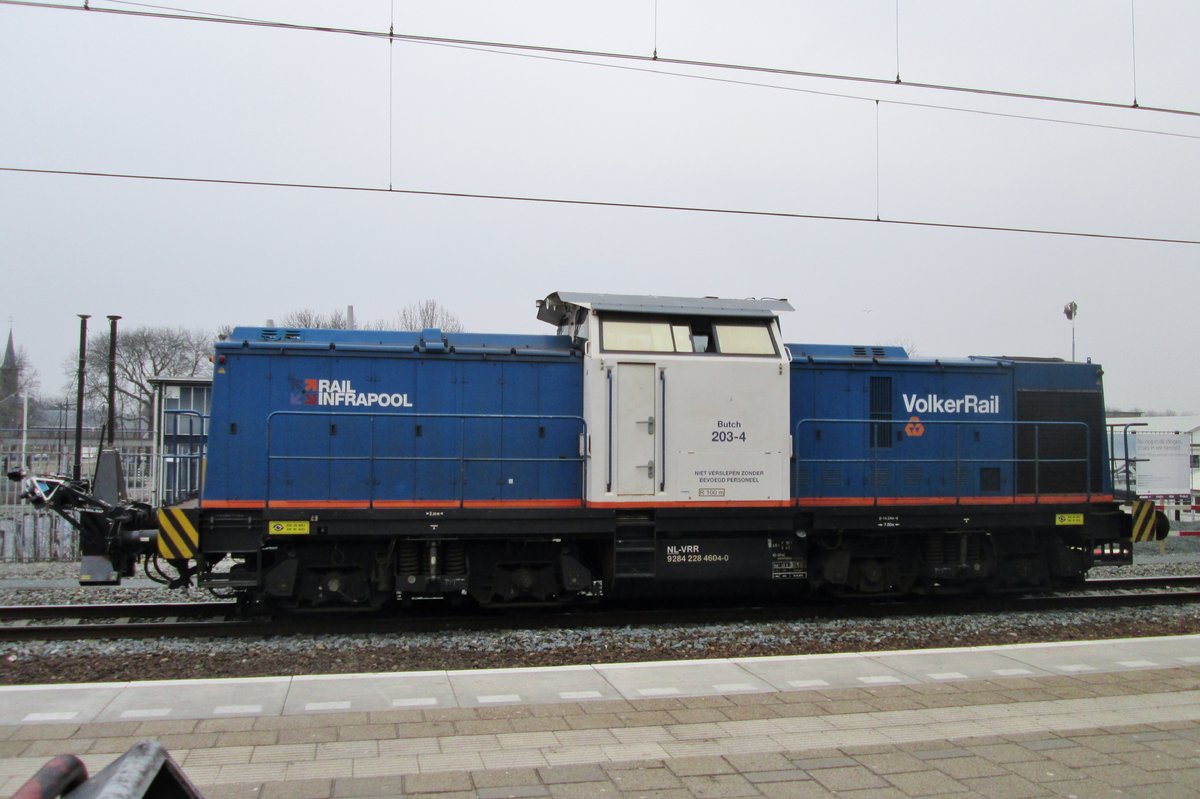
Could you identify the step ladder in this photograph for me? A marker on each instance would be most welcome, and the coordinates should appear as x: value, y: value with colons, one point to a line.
x: 635, y: 548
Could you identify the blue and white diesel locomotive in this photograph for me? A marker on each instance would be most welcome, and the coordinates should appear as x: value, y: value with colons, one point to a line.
x: 652, y: 446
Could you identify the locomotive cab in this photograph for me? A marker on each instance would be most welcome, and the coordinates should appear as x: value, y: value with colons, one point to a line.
x: 686, y: 405
x: 686, y: 400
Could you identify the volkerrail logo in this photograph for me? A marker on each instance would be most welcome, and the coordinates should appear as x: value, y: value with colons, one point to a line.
x: 932, y: 403
x: 342, y: 394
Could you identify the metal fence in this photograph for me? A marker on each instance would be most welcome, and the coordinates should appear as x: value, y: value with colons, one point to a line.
x: 27, y: 534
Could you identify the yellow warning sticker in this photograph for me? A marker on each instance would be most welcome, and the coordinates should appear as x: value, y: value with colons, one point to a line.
x: 1064, y: 519
x: 288, y: 528
x: 1143, y: 520
x: 178, y: 538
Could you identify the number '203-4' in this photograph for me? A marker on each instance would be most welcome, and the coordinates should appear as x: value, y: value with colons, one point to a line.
x: 728, y: 435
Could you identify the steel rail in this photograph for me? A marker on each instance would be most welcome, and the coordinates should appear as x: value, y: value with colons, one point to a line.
x: 1096, y: 594
x: 117, y: 610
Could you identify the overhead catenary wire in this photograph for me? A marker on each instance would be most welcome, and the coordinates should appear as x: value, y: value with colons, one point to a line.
x: 877, y: 166
x: 1133, y: 47
x: 817, y: 92
x: 898, y: 41
x: 391, y: 98
x: 602, y: 204
x: 654, y: 57
x: 214, y: 14
x: 557, y: 54
x: 538, y: 52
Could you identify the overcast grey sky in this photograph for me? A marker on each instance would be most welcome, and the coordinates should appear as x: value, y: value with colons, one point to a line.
x: 103, y: 93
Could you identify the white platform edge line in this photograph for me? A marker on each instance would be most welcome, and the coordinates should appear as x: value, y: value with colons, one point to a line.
x: 530, y: 670
x: 386, y: 675
x: 66, y: 686
x: 139, y: 685
x: 966, y: 649
x: 664, y: 664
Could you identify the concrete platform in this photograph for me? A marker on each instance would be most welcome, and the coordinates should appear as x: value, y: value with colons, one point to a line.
x: 1119, y: 718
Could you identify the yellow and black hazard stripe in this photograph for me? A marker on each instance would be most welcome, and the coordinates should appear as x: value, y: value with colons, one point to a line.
x: 177, y: 537
x: 1144, y: 519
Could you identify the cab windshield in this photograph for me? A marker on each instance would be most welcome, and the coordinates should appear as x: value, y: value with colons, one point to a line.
x: 702, y: 335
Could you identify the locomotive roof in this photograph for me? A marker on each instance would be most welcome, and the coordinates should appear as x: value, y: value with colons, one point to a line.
x: 559, y: 307
x: 896, y: 356
x: 429, y: 340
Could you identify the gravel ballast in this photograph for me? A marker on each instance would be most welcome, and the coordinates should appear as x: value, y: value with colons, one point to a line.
x: 126, y: 659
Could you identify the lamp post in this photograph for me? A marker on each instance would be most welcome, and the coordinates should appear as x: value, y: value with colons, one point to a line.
x: 112, y: 378
x: 25, y: 431
x: 1071, y: 310
x: 22, y: 399
x: 79, y: 394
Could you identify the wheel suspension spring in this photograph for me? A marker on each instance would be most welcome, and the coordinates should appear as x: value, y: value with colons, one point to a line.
x: 454, y: 557
x: 408, y: 561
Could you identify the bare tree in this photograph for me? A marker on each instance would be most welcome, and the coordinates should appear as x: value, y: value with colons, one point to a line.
x: 909, y: 346
x: 143, y: 353
x: 415, y: 316
x: 307, y: 317
x: 27, y: 376
x: 428, y: 313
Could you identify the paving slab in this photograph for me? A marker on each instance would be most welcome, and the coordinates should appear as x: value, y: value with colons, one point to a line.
x: 56, y: 703
x: 1098, y: 657
x: 196, y: 699
x: 641, y: 681
x: 368, y: 692
x: 818, y: 672
x: 951, y: 665
x: 493, y: 687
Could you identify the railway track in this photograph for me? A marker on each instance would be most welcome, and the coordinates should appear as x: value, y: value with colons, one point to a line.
x: 220, y: 619
x: 120, y: 610
x: 1119, y: 583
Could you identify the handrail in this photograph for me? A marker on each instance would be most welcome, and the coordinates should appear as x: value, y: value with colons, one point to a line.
x: 1112, y: 456
x: 874, y: 460
x: 188, y: 457
x: 609, y: 456
x: 461, y: 458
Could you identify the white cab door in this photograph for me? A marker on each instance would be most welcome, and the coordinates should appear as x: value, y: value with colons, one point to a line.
x: 635, y: 424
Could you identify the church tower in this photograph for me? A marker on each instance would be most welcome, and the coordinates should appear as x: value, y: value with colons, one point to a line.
x: 10, y: 402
